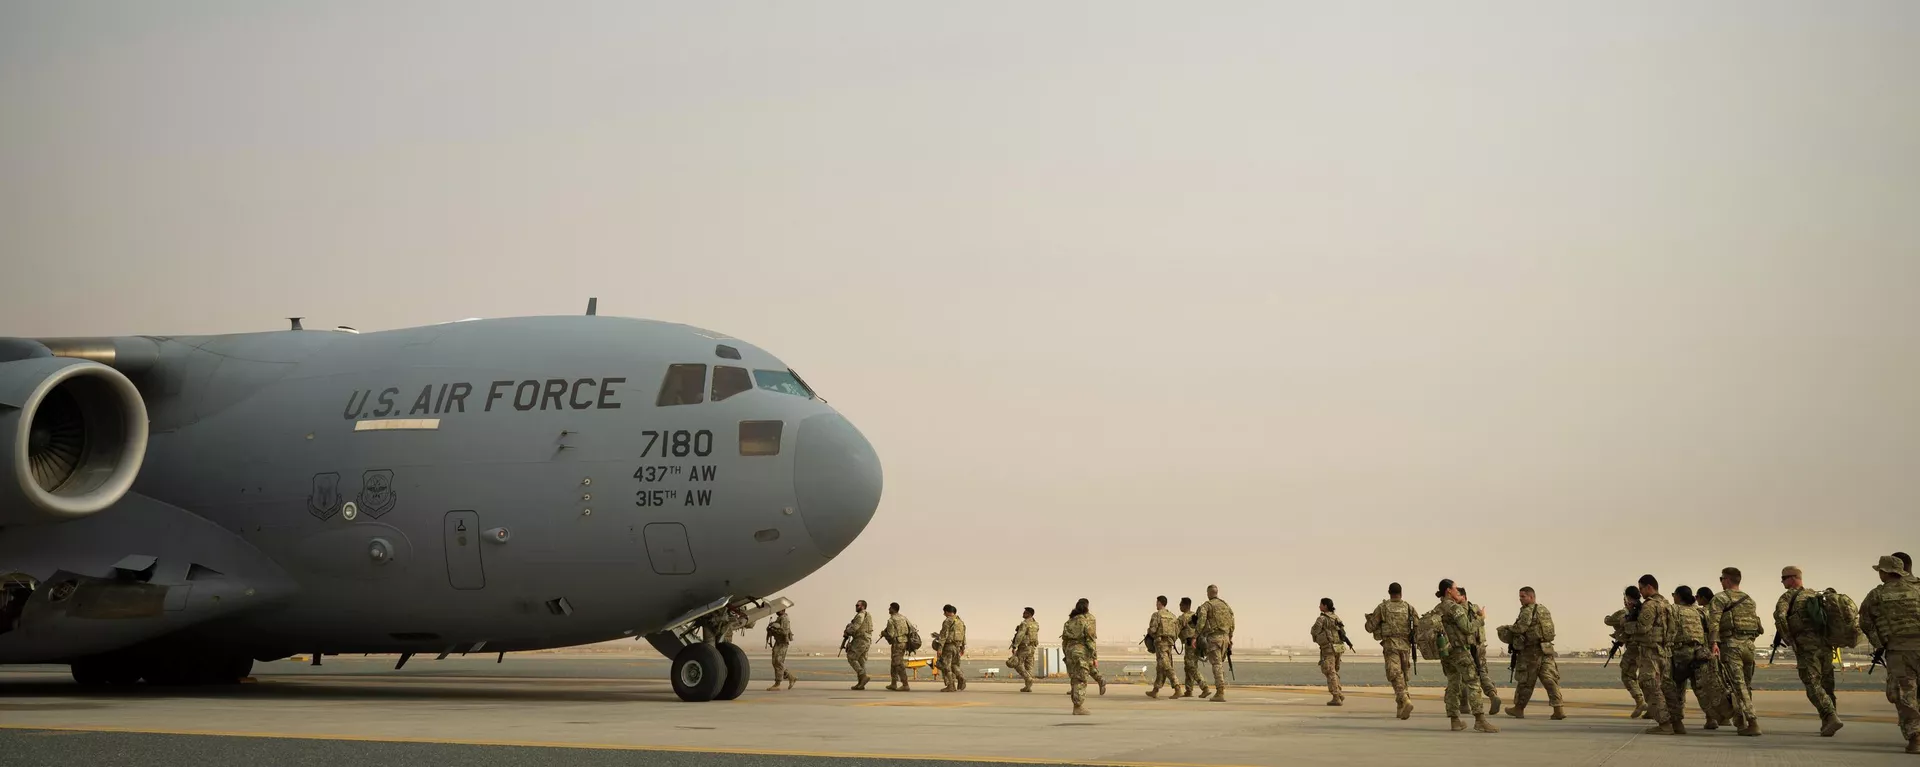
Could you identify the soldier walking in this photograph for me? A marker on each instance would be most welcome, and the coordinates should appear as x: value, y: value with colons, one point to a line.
x: 856, y: 639
x: 1709, y: 686
x: 1326, y: 633
x: 1216, y: 637
x: 1391, y: 624
x: 1189, y: 644
x: 1459, y: 658
x: 1026, y: 637
x: 1078, y: 642
x: 1735, y: 620
x: 1650, y: 630
x: 1480, y: 669
x: 897, y: 632
x: 1163, y: 630
x: 779, y: 636
x: 1811, y: 654
x: 951, y: 644
x: 1890, y: 617
x: 1630, y: 654
x: 1531, y: 640
x: 1687, y: 648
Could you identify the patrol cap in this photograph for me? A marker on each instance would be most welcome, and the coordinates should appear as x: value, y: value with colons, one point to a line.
x: 1891, y: 564
x: 1790, y: 572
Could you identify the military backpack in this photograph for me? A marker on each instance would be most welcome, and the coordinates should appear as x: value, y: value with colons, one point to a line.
x: 1430, y: 635
x: 1835, y: 616
x: 1898, y: 613
x: 913, y: 637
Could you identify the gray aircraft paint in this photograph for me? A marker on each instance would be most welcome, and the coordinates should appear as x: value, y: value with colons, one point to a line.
x: 257, y: 449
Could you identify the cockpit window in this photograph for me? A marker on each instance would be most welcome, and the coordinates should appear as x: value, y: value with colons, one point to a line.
x: 728, y: 381
x: 684, y: 385
x: 782, y: 381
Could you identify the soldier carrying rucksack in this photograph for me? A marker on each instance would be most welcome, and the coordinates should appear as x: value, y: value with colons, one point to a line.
x: 1814, y: 623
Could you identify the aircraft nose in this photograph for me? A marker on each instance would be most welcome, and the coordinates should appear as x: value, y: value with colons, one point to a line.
x: 836, y: 481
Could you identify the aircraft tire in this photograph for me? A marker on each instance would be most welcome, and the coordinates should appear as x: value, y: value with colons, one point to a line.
x: 739, y: 671
x: 91, y: 672
x: 222, y: 669
x: 698, y: 673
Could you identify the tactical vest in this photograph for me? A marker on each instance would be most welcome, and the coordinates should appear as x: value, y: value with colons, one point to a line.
x: 1324, y: 632
x: 1896, y: 614
x: 1396, y: 620
x: 1218, y: 618
x: 1739, y: 616
x: 1689, y: 626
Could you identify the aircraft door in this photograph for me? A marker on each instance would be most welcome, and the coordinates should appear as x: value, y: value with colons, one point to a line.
x: 464, y: 570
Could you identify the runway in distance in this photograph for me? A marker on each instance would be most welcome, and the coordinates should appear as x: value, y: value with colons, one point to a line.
x: 174, y: 508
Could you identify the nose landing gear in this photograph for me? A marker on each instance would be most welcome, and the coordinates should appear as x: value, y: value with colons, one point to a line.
x: 705, y: 665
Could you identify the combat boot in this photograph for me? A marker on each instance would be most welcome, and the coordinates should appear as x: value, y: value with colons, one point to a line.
x: 1639, y: 710
x: 1338, y: 700
x: 775, y: 687
x: 1154, y: 693
x: 1103, y: 687
x: 1517, y: 711
x: 1711, y: 724
x: 1558, y: 714
x: 1204, y: 692
x: 1660, y: 729
x: 1028, y: 688
x: 895, y: 687
x: 1406, y: 709
x: 1751, y: 729
x: 1079, y: 710
x: 1913, y: 744
x: 962, y: 681
x: 1480, y: 724
x: 905, y: 688
x: 1219, y: 696
x: 1454, y: 723
x: 790, y: 681
x: 1495, y: 701
x: 862, y: 684
x: 1829, y: 725
x: 1679, y: 727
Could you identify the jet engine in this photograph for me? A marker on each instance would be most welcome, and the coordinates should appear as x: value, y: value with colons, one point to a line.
x: 72, y: 436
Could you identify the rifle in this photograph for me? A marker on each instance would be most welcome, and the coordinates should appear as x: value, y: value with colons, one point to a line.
x: 1475, y: 652
x: 1776, y: 647
x: 1610, y: 653
x: 1412, y: 629
x: 1343, y: 636
x: 1879, y: 657
x: 843, y: 644
x: 1229, y: 657
x: 1510, y: 659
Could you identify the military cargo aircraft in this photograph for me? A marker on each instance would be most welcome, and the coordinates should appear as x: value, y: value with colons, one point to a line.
x: 174, y: 508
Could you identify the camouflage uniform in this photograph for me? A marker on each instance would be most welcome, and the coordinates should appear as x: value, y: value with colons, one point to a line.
x: 1734, y: 621
x: 1394, y: 619
x: 1890, y: 617
x: 896, y: 635
x: 1077, y: 641
x: 1463, y: 687
x: 1189, y: 642
x: 1480, y: 671
x: 1811, y: 655
x: 1534, y: 659
x: 1026, y: 637
x: 952, y: 643
x: 1216, y: 630
x: 859, y: 635
x: 1693, y: 664
x: 779, y: 636
x: 1629, y: 661
x: 1326, y: 634
x: 1165, y: 630
x: 1651, y: 632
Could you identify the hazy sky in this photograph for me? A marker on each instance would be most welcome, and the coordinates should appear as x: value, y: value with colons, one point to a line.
x: 1299, y: 298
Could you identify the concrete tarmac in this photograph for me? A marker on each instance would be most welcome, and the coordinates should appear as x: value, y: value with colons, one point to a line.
x: 359, y: 712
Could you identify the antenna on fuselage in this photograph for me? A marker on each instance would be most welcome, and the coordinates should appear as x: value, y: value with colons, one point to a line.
x: 593, y: 306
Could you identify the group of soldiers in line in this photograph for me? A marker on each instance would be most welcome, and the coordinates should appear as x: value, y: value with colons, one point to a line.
x: 1207, y: 632
x: 1700, y: 639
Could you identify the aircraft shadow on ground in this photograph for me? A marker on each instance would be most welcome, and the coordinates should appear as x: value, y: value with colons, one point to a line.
x: 331, y: 691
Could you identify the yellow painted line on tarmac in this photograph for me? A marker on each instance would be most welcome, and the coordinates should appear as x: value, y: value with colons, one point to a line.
x: 1762, y: 715
x: 601, y: 746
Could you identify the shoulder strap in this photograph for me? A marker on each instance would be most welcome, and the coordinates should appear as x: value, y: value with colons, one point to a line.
x: 1736, y: 603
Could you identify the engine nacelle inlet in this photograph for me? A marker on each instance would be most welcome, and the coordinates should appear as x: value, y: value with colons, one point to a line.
x: 73, y: 434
